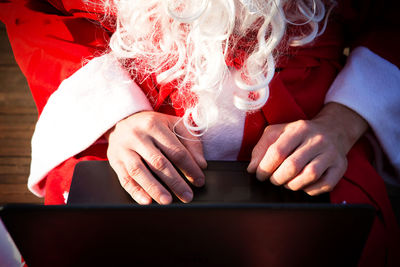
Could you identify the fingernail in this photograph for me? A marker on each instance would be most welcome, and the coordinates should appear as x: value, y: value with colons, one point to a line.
x: 165, y: 199
x: 187, y: 196
x: 144, y: 200
x: 203, y: 164
x: 201, y: 161
x: 250, y: 168
x: 200, y: 183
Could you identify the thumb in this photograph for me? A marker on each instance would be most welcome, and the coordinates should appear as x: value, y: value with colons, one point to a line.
x: 270, y: 135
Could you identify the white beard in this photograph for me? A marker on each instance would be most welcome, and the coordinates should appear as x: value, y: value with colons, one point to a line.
x: 192, y: 37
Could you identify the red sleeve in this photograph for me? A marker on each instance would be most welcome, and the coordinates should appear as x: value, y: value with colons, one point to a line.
x: 373, y: 24
x: 50, y: 43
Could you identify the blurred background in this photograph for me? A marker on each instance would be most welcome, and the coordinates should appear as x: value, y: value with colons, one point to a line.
x: 18, y: 116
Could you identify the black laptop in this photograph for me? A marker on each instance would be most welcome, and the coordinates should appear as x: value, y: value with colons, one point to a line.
x: 95, y: 182
x: 236, y: 228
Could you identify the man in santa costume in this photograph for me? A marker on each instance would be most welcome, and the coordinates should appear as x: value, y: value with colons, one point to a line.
x: 181, y: 82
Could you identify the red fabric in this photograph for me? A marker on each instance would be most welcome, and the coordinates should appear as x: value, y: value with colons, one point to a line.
x: 49, y: 45
x: 59, y: 180
x: 361, y: 184
x: 373, y: 24
x: 51, y: 40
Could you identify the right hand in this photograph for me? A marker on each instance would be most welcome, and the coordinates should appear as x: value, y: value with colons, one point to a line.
x: 148, y: 136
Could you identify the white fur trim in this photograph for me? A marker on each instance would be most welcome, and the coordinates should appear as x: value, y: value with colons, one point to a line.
x: 370, y: 85
x: 83, y: 108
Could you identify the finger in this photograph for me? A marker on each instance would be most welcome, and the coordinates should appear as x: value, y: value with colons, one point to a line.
x: 271, y: 133
x: 180, y: 156
x: 277, y: 152
x: 191, y: 142
x: 294, y: 164
x: 326, y: 183
x: 311, y: 173
x: 163, y: 168
x: 130, y: 186
x: 139, y: 172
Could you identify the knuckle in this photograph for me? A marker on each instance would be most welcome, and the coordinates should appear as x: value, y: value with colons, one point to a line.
x: 312, y: 173
x: 134, y: 191
x: 301, y: 125
x: 153, y: 190
x: 257, y: 152
x: 277, y: 152
x: 159, y: 162
x: 319, y: 139
x: 175, y: 184
x: 125, y: 180
x: 178, y: 154
x: 134, y: 169
x: 148, y: 122
x: 292, y: 167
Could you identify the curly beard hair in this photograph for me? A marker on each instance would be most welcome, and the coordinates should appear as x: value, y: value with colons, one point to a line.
x: 188, y: 41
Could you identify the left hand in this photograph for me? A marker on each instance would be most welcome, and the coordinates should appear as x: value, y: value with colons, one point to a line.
x: 308, y: 154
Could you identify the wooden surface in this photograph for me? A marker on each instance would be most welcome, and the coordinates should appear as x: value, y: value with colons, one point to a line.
x: 18, y: 116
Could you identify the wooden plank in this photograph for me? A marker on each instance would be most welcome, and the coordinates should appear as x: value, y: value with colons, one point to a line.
x: 12, y: 79
x: 14, y: 179
x: 17, y: 151
x: 17, y: 126
x: 17, y: 193
x: 16, y: 102
x: 18, y: 117
x: 15, y: 160
x: 20, y: 149
x: 12, y: 166
x: 12, y: 110
x: 6, y: 55
x: 16, y: 98
x: 15, y: 147
x: 11, y: 120
x: 17, y: 134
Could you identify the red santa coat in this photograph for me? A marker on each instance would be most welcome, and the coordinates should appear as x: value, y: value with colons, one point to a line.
x: 50, y: 40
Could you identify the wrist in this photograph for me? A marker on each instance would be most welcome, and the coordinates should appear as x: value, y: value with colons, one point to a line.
x: 347, y: 123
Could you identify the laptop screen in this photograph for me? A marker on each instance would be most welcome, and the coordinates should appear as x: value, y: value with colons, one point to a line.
x: 190, y: 234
